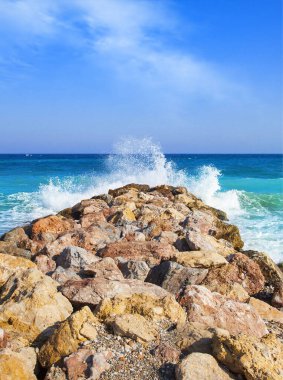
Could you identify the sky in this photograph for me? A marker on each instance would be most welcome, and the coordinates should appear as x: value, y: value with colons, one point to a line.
x: 198, y: 76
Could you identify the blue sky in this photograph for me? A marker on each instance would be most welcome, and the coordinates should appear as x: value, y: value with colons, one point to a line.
x: 197, y: 76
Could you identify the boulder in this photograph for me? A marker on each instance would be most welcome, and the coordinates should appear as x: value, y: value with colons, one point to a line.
x: 266, y: 311
x: 10, y: 248
x: 12, y: 264
x: 200, y: 366
x: 150, y: 306
x: 17, y: 365
x: 31, y: 305
x: 174, y: 277
x: 133, y: 326
x: 78, y: 328
x: 166, y: 353
x: 277, y: 297
x: 240, y: 270
x: 18, y: 237
x: 215, y: 310
x: 252, y: 357
x: 54, y: 224
x: 200, y: 259
x: 150, y: 251
x: 135, y: 269
x: 198, y: 241
x: 45, y: 264
x: 93, y: 290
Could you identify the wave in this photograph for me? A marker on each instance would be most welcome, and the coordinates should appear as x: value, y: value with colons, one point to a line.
x: 142, y: 161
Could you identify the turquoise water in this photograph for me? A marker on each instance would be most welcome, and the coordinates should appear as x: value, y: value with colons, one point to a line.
x: 248, y: 187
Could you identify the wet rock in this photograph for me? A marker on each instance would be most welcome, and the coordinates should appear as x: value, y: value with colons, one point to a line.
x: 250, y: 356
x: 200, y: 259
x: 200, y: 366
x: 135, y: 269
x: 133, y: 326
x: 266, y: 311
x: 12, y: 264
x: 150, y: 251
x: 174, y: 277
x: 215, y: 310
x: 30, y: 305
x: 152, y: 307
x: 78, y: 328
x: 17, y: 365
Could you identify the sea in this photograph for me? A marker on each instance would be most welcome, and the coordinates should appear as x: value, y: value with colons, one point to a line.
x: 248, y: 187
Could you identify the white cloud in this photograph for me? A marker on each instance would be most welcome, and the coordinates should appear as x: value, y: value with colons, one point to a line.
x: 126, y: 33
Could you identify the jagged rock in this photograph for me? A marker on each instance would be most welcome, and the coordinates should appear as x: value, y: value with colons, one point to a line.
x: 30, y: 304
x: 122, y: 216
x: 166, y: 353
x: 124, y: 189
x: 92, y: 238
x: 150, y: 251
x: 168, y: 237
x: 252, y: 357
x: 45, y: 264
x: 266, y: 311
x: 200, y: 366
x: 133, y: 326
x: 91, y: 291
x: 198, y: 241
x: 215, y: 310
x: 135, y: 269
x: 78, y: 328
x: 12, y: 264
x: 231, y: 290
x: 174, y: 277
x: 150, y: 306
x: 272, y: 273
x: 17, y: 365
x: 18, y: 237
x: 200, y: 259
x: 240, y: 270
x: 54, y: 224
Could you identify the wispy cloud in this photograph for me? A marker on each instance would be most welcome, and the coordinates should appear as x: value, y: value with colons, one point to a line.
x: 131, y: 35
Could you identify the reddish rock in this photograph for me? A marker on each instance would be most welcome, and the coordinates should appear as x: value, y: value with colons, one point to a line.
x: 91, y: 291
x: 215, y: 310
x: 241, y: 270
x: 150, y: 251
x: 3, y: 339
x: 45, y: 264
x: 54, y: 224
x: 167, y: 353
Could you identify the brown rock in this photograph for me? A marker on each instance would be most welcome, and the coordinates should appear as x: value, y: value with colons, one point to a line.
x: 201, y: 242
x: 150, y: 251
x: 277, y: 298
x: 10, y: 248
x: 55, y: 224
x: 17, y: 365
x: 12, y: 264
x: 78, y: 328
x: 241, y: 270
x: 45, y: 264
x: 252, y: 357
x: 166, y: 353
x: 200, y: 259
x: 134, y: 326
x: 30, y: 305
x: 3, y: 339
x: 200, y: 366
x: 125, y: 189
x: 18, y: 237
x: 92, y: 291
x: 266, y: 311
x: 215, y: 310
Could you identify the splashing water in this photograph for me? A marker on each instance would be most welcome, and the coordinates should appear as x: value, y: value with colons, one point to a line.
x: 142, y: 161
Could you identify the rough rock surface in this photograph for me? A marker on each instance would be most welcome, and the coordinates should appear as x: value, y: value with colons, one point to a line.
x: 78, y: 328
x: 17, y: 365
x: 30, y: 304
x: 11, y: 264
x: 215, y: 310
x: 252, y: 357
x: 266, y: 311
x: 200, y: 259
x: 200, y: 366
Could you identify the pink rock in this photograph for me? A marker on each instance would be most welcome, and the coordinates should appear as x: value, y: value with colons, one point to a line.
x: 215, y: 310
x: 45, y: 264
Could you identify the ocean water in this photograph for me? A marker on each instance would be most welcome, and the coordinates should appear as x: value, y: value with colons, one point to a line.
x: 248, y: 187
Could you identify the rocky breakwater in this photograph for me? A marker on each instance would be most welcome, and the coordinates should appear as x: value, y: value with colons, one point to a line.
x: 140, y: 283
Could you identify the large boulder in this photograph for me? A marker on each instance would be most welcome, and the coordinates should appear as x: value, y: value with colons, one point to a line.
x: 252, y: 357
x: 240, y: 270
x: 10, y: 265
x: 266, y: 311
x: 215, y: 310
x: 10, y: 248
x: 78, y: 328
x: 150, y: 251
x: 200, y: 366
x: 31, y: 305
x: 17, y: 365
x: 200, y: 259
x: 53, y: 224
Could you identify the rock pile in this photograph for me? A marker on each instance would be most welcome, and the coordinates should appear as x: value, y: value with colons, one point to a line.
x: 140, y: 283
